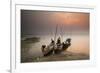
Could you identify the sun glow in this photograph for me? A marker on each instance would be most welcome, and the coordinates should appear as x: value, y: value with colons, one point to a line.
x: 72, y: 18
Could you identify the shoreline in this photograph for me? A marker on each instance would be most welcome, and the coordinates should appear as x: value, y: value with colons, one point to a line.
x: 68, y: 56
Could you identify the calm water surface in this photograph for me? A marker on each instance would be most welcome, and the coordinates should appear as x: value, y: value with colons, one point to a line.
x: 80, y: 44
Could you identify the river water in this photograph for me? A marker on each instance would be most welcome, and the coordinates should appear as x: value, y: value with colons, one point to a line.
x: 79, y: 44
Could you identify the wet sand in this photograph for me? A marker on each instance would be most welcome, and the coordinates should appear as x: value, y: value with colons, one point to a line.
x: 64, y: 56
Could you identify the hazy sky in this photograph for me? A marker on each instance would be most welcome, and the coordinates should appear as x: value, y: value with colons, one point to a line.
x: 44, y: 22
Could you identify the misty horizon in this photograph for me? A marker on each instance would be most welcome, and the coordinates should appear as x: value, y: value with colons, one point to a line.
x: 44, y: 22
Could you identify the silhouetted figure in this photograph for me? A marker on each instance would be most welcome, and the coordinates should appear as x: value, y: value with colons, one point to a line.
x: 66, y: 44
x: 58, y: 41
x: 43, y: 48
x: 52, y: 42
x: 58, y: 48
x: 47, y: 51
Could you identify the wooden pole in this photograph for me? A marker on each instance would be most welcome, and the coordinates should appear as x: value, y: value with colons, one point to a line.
x: 55, y: 33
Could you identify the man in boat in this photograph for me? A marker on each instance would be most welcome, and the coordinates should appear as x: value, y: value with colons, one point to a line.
x: 66, y: 44
x: 58, y: 41
x: 68, y: 41
x: 52, y: 43
x: 58, y: 47
x: 62, y: 46
x: 49, y: 49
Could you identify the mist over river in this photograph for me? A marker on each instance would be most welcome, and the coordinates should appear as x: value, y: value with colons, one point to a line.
x: 79, y: 44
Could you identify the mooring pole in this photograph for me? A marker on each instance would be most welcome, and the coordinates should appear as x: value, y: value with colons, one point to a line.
x: 55, y: 33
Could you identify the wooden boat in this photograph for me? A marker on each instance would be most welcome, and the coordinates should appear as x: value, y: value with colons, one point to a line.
x: 46, y: 50
x: 56, y: 48
x: 64, y: 46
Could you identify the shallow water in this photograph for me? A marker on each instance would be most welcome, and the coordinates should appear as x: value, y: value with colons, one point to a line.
x: 79, y: 44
